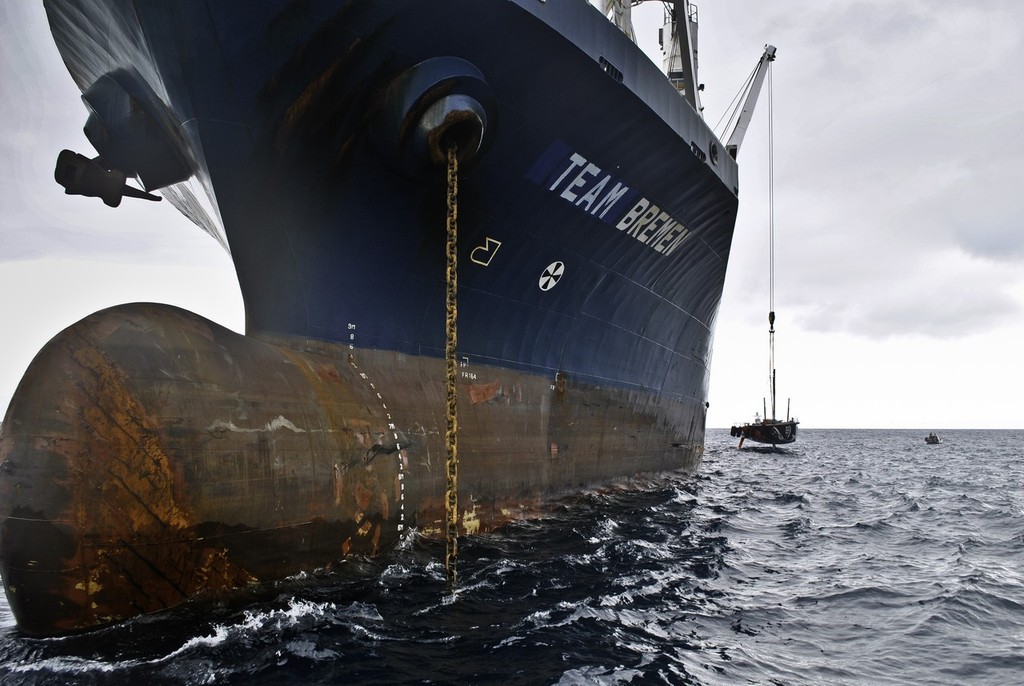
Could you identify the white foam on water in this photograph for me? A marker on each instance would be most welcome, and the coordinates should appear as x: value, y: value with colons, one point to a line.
x: 588, y: 676
x: 220, y: 635
x: 71, y: 665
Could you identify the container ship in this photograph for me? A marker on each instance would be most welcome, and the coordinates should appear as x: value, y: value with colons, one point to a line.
x: 150, y: 456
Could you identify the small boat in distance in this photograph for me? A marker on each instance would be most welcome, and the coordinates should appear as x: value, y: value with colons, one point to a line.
x: 932, y: 439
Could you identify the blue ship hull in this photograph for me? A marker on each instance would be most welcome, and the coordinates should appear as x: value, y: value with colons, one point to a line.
x: 595, y: 221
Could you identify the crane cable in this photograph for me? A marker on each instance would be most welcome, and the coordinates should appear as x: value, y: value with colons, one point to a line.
x: 451, y: 500
x: 735, y: 107
x: 771, y: 238
x: 771, y: 193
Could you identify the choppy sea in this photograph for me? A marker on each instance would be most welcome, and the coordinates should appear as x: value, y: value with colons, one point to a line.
x: 850, y: 557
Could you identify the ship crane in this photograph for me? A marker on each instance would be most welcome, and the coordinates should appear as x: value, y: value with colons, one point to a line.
x: 678, y: 39
x: 748, y: 99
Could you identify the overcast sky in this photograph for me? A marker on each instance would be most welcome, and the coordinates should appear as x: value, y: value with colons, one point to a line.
x: 899, y: 194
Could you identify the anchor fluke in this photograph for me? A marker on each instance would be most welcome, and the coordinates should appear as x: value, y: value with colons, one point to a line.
x: 80, y: 175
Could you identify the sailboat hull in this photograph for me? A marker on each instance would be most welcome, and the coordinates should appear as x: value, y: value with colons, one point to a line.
x: 768, y: 431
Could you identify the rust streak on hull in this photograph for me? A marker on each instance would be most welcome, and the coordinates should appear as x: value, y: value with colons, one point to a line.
x: 146, y: 451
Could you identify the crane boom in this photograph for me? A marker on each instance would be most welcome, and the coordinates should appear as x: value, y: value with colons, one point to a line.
x: 749, y: 101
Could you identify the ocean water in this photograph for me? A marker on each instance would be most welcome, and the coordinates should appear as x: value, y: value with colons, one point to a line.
x: 851, y: 557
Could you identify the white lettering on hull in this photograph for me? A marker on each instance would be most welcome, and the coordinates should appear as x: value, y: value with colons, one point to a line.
x: 584, y: 184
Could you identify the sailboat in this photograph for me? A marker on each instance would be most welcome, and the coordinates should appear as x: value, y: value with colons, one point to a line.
x: 769, y: 429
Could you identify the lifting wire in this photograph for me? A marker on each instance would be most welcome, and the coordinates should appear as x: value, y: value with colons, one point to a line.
x: 771, y: 237
x: 451, y: 500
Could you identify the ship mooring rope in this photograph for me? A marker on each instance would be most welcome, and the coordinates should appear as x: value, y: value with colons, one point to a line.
x: 451, y: 500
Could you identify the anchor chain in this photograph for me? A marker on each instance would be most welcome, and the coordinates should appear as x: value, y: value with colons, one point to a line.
x: 451, y: 500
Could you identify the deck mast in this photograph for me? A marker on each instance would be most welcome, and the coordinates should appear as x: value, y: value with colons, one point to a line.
x: 681, y: 52
x: 678, y: 39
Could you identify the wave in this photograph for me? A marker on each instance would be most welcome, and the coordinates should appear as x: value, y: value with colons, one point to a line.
x: 857, y: 559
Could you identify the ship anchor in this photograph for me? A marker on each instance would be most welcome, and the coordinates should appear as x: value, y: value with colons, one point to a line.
x: 439, y: 101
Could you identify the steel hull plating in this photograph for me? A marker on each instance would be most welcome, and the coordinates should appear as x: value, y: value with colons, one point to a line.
x: 150, y: 455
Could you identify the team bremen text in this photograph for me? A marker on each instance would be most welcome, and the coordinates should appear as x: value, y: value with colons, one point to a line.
x: 582, y: 183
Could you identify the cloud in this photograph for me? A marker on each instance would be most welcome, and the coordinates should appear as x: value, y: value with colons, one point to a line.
x: 898, y: 140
